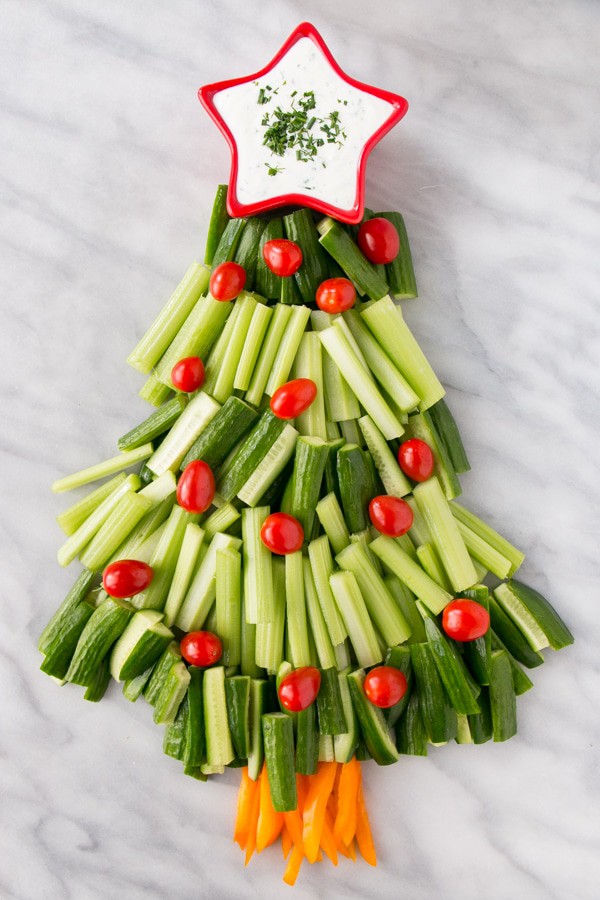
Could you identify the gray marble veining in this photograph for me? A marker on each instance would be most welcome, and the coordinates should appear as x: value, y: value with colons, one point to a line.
x: 107, y: 173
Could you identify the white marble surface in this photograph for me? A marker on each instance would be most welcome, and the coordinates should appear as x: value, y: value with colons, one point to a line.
x: 108, y: 167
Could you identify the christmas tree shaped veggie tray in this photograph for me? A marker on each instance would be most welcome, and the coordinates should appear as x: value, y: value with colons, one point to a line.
x: 289, y: 579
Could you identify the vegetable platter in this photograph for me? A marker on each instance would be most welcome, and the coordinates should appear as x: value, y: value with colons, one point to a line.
x: 278, y: 558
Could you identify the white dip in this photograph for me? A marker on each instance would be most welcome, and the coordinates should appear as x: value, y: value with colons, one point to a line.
x: 330, y: 174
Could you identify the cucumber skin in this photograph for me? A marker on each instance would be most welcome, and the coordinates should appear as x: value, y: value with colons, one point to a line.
x: 228, y: 241
x: 266, y: 283
x: 194, y: 751
x: 246, y: 253
x: 481, y: 724
x: 411, y: 734
x: 300, y: 228
x: 171, y: 694
x: 278, y: 737
x: 549, y: 621
x: 511, y: 636
x: 355, y: 486
x: 439, y: 718
x: 60, y: 650
x: 250, y: 452
x: 154, y: 425
x: 329, y: 704
x: 218, y: 221
x: 222, y: 433
x: 502, y: 698
x: 307, y: 741
x: 104, y: 626
x: 399, y: 658
x: 160, y: 672
x: 478, y: 653
x: 452, y: 670
x: 259, y: 692
x: 134, y: 688
x: 78, y: 592
x: 379, y: 749
x: 174, y: 737
x: 237, y: 695
x: 99, y: 683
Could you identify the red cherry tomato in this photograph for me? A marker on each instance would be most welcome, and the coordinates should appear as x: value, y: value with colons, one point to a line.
x: 335, y: 295
x: 300, y: 688
x: 378, y: 240
x: 390, y: 515
x: 201, y: 648
x: 126, y: 577
x: 282, y: 257
x: 416, y: 459
x: 465, y: 620
x: 196, y: 487
x: 227, y: 281
x: 384, y: 686
x: 293, y: 397
x: 282, y: 533
x: 188, y: 374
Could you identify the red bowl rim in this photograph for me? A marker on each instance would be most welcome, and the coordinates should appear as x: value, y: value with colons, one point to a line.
x: 235, y: 208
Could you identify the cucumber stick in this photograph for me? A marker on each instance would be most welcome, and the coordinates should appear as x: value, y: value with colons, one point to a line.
x: 460, y: 686
x: 144, y: 639
x: 160, y: 671
x: 357, y: 267
x: 356, y: 486
x: 243, y: 462
x: 393, y: 478
x: 411, y: 734
x: 399, y: 658
x: 310, y: 459
x: 194, y: 745
x: 219, y: 747
x: 329, y: 704
x: 78, y: 592
x: 60, y: 649
x: 102, y: 629
x: 217, y: 224
x: 307, y: 741
x: 439, y: 718
x: 157, y: 423
x: 171, y: 694
x: 228, y: 242
x: 373, y: 725
x: 449, y: 435
x: 446, y: 537
x: 259, y: 691
x: 502, y: 698
x: 300, y: 228
x: 265, y: 281
x: 512, y: 637
x: 532, y: 613
x: 400, y: 273
x: 222, y: 433
x: 270, y: 467
x: 344, y: 745
x: 278, y: 737
x: 246, y: 252
x: 237, y: 694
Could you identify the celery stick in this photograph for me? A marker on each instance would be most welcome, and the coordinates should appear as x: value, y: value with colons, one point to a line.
x: 122, y: 520
x: 268, y: 352
x: 164, y: 560
x: 430, y: 561
x: 297, y: 629
x: 309, y: 364
x: 197, y: 335
x: 154, y: 391
x: 318, y: 628
x: 221, y: 519
x: 491, y: 537
x: 219, y: 384
x: 386, y: 322
x: 340, y: 403
x: 446, y: 537
x: 171, y: 318
x: 72, y: 518
x: 102, y: 469
x: 76, y: 543
x: 184, y: 571
x: 229, y: 604
x: 269, y: 635
x: 252, y: 346
x: 202, y: 591
x: 411, y: 573
x: 288, y: 348
x: 258, y: 568
x: 358, y: 623
x: 319, y: 553
x: 332, y: 519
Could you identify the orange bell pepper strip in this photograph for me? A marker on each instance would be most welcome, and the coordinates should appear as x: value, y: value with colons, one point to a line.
x: 270, y: 822
x: 345, y: 820
x: 252, y: 823
x: 351, y: 850
x: 327, y: 843
x: 244, y: 808
x: 364, y: 838
x: 286, y: 842
x: 293, y: 865
x: 314, y: 808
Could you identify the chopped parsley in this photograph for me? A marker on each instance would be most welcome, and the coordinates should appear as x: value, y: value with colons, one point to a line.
x: 297, y: 128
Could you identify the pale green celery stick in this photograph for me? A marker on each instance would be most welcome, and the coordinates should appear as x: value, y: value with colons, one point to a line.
x: 309, y: 364
x: 71, y: 519
x: 288, y: 348
x: 168, y: 322
x: 268, y: 352
x: 252, y: 347
x: 154, y: 391
x: 125, y: 516
x: 164, y: 560
x: 102, y: 469
x: 297, y: 629
x: 76, y: 543
x: 197, y: 335
x: 184, y: 571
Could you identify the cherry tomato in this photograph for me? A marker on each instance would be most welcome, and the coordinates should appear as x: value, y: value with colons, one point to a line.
x: 201, y: 648
x: 384, y: 686
x: 416, y: 459
x: 282, y: 257
x: 227, y: 281
x: 282, y: 533
x: 465, y: 620
x: 390, y: 515
x: 188, y: 374
x: 335, y: 295
x: 196, y: 487
x: 293, y: 398
x: 378, y: 240
x: 300, y: 688
x: 126, y: 577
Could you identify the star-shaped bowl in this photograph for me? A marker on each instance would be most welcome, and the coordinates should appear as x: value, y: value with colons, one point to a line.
x: 300, y: 131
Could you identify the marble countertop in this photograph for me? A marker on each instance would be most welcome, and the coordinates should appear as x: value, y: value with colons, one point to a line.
x: 107, y: 174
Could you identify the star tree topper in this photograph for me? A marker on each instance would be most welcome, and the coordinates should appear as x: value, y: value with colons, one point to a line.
x: 300, y: 131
